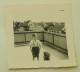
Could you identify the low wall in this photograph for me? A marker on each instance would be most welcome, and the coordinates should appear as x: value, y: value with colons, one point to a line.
x: 26, y: 36
x: 55, y: 39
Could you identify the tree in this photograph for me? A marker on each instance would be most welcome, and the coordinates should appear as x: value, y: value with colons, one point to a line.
x: 17, y: 25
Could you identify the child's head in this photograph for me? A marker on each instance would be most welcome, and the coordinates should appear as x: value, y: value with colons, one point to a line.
x: 34, y: 36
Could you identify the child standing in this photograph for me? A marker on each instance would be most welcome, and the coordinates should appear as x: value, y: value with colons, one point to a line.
x: 35, y: 46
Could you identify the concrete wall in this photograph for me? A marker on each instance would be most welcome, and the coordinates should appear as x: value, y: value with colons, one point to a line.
x: 54, y: 39
x: 27, y: 36
x: 60, y: 41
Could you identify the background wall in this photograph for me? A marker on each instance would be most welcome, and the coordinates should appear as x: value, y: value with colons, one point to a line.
x: 76, y: 25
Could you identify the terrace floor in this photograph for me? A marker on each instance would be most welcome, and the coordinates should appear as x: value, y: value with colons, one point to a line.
x: 54, y: 54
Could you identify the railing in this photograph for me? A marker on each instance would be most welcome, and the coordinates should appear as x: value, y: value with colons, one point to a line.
x: 25, y: 37
x: 55, y: 39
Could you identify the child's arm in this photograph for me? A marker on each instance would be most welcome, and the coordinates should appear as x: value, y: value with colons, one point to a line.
x: 40, y: 44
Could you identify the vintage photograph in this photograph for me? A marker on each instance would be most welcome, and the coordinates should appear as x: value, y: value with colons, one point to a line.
x: 39, y: 36
x: 50, y: 37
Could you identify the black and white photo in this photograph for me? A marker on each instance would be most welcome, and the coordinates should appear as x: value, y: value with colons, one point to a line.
x: 39, y: 35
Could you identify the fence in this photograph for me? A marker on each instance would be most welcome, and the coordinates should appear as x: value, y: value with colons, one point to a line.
x: 58, y: 40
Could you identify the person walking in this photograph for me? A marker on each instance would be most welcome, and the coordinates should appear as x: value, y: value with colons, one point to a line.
x: 35, y: 46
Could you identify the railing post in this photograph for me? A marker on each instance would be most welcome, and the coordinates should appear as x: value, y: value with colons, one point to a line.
x: 53, y: 39
x: 25, y: 37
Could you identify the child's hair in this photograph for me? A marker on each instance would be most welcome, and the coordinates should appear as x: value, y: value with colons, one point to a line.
x: 34, y: 35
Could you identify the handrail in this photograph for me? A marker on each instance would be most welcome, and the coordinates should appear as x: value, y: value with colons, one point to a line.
x: 57, y: 34
x: 28, y: 32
